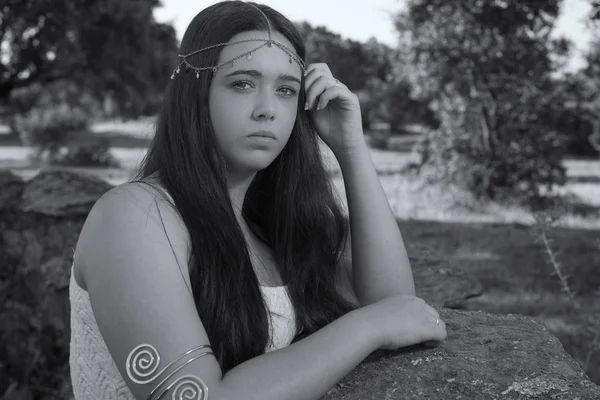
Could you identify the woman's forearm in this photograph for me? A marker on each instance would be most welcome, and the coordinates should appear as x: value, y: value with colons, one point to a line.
x: 304, y: 370
x: 380, y: 265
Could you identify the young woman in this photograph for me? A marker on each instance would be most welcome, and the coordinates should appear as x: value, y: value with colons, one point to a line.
x: 225, y: 269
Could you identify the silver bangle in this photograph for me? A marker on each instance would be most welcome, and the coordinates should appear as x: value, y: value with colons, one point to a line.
x: 189, y: 387
x: 143, y: 361
x: 175, y: 371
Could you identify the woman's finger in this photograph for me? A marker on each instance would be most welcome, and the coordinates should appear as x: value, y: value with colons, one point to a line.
x: 330, y: 94
x: 316, y: 89
x: 322, y: 67
x: 432, y: 311
x: 313, y: 71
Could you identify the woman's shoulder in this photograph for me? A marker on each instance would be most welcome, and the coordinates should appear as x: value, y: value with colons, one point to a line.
x: 129, y: 218
x: 140, y: 193
x: 149, y: 189
x: 143, y: 203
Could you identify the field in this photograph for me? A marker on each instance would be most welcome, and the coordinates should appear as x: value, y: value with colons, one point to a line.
x: 495, y: 243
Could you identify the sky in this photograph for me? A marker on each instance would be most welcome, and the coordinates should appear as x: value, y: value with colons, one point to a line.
x: 362, y: 19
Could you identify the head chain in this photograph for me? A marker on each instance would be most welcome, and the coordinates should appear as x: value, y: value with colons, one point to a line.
x: 267, y: 42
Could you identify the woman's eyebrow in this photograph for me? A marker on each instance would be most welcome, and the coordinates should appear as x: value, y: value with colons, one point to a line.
x: 258, y: 74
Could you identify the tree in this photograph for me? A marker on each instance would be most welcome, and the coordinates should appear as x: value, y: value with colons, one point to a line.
x: 372, y: 70
x: 590, y: 91
x: 595, y: 11
x: 110, y: 47
x: 592, y: 73
x: 489, y: 66
x: 352, y: 62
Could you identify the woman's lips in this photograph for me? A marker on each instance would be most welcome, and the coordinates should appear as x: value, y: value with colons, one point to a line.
x: 265, y: 134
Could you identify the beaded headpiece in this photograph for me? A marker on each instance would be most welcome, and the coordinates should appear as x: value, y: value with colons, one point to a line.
x: 266, y: 42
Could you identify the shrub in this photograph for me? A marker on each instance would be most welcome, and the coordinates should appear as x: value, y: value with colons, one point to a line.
x: 95, y: 152
x: 60, y: 136
x: 50, y: 128
x: 379, y: 140
x: 64, y: 92
x: 544, y: 222
x: 35, y: 337
x: 521, y: 157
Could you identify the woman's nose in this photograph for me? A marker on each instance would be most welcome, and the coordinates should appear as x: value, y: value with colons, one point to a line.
x: 265, y: 108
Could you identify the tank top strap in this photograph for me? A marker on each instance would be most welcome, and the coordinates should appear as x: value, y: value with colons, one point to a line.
x: 159, y: 188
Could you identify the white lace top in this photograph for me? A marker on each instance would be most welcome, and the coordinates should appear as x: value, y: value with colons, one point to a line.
x: 94, y: 374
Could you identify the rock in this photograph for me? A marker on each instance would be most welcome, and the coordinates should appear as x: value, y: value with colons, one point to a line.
x: 60, y: 192
x: 40, y: 221
x: 485, y: 356
x: 12, y: 187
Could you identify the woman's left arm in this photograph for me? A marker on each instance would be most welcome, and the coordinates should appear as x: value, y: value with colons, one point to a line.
x: 380, y: 266
x: 379, y: 263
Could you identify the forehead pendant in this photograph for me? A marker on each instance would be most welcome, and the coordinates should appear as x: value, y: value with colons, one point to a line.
x: 265, y: 42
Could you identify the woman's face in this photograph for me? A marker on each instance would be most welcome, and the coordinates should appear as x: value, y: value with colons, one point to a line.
x: 256, y: 94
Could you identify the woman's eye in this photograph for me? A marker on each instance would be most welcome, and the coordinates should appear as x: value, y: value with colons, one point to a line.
x: 241, y: 85
x: 245, y: 85
x: 290, y: 91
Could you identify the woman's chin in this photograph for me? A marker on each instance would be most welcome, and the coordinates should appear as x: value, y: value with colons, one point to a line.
x: 250, y: 168
x: 260, y: 160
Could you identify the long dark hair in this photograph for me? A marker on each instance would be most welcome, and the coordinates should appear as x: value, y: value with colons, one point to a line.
x: 292, y: 202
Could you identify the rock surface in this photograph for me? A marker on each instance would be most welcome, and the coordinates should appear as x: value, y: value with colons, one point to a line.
x: 485, y: 357
x: 40, y: 221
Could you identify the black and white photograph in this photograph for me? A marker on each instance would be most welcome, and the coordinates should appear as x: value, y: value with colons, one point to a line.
x: 299, y: 200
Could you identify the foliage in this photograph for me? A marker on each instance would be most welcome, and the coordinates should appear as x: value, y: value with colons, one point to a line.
x: 595, y: 11
x: 544, y: 223
x: 49, y: 128
x: 56, y: 116
x: 94, y: 152
x: 60, y: 135
x: 589, y: 93
x: 489, y: 66
x: 30, y: 320
x: 579, y: 117
x: 453, y: 154
x: 406, y: 108
x: 112, y: 47
x: 61, y: 91
x: 379, y: 140
x: 352, y: 62
x: 372, y: 70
